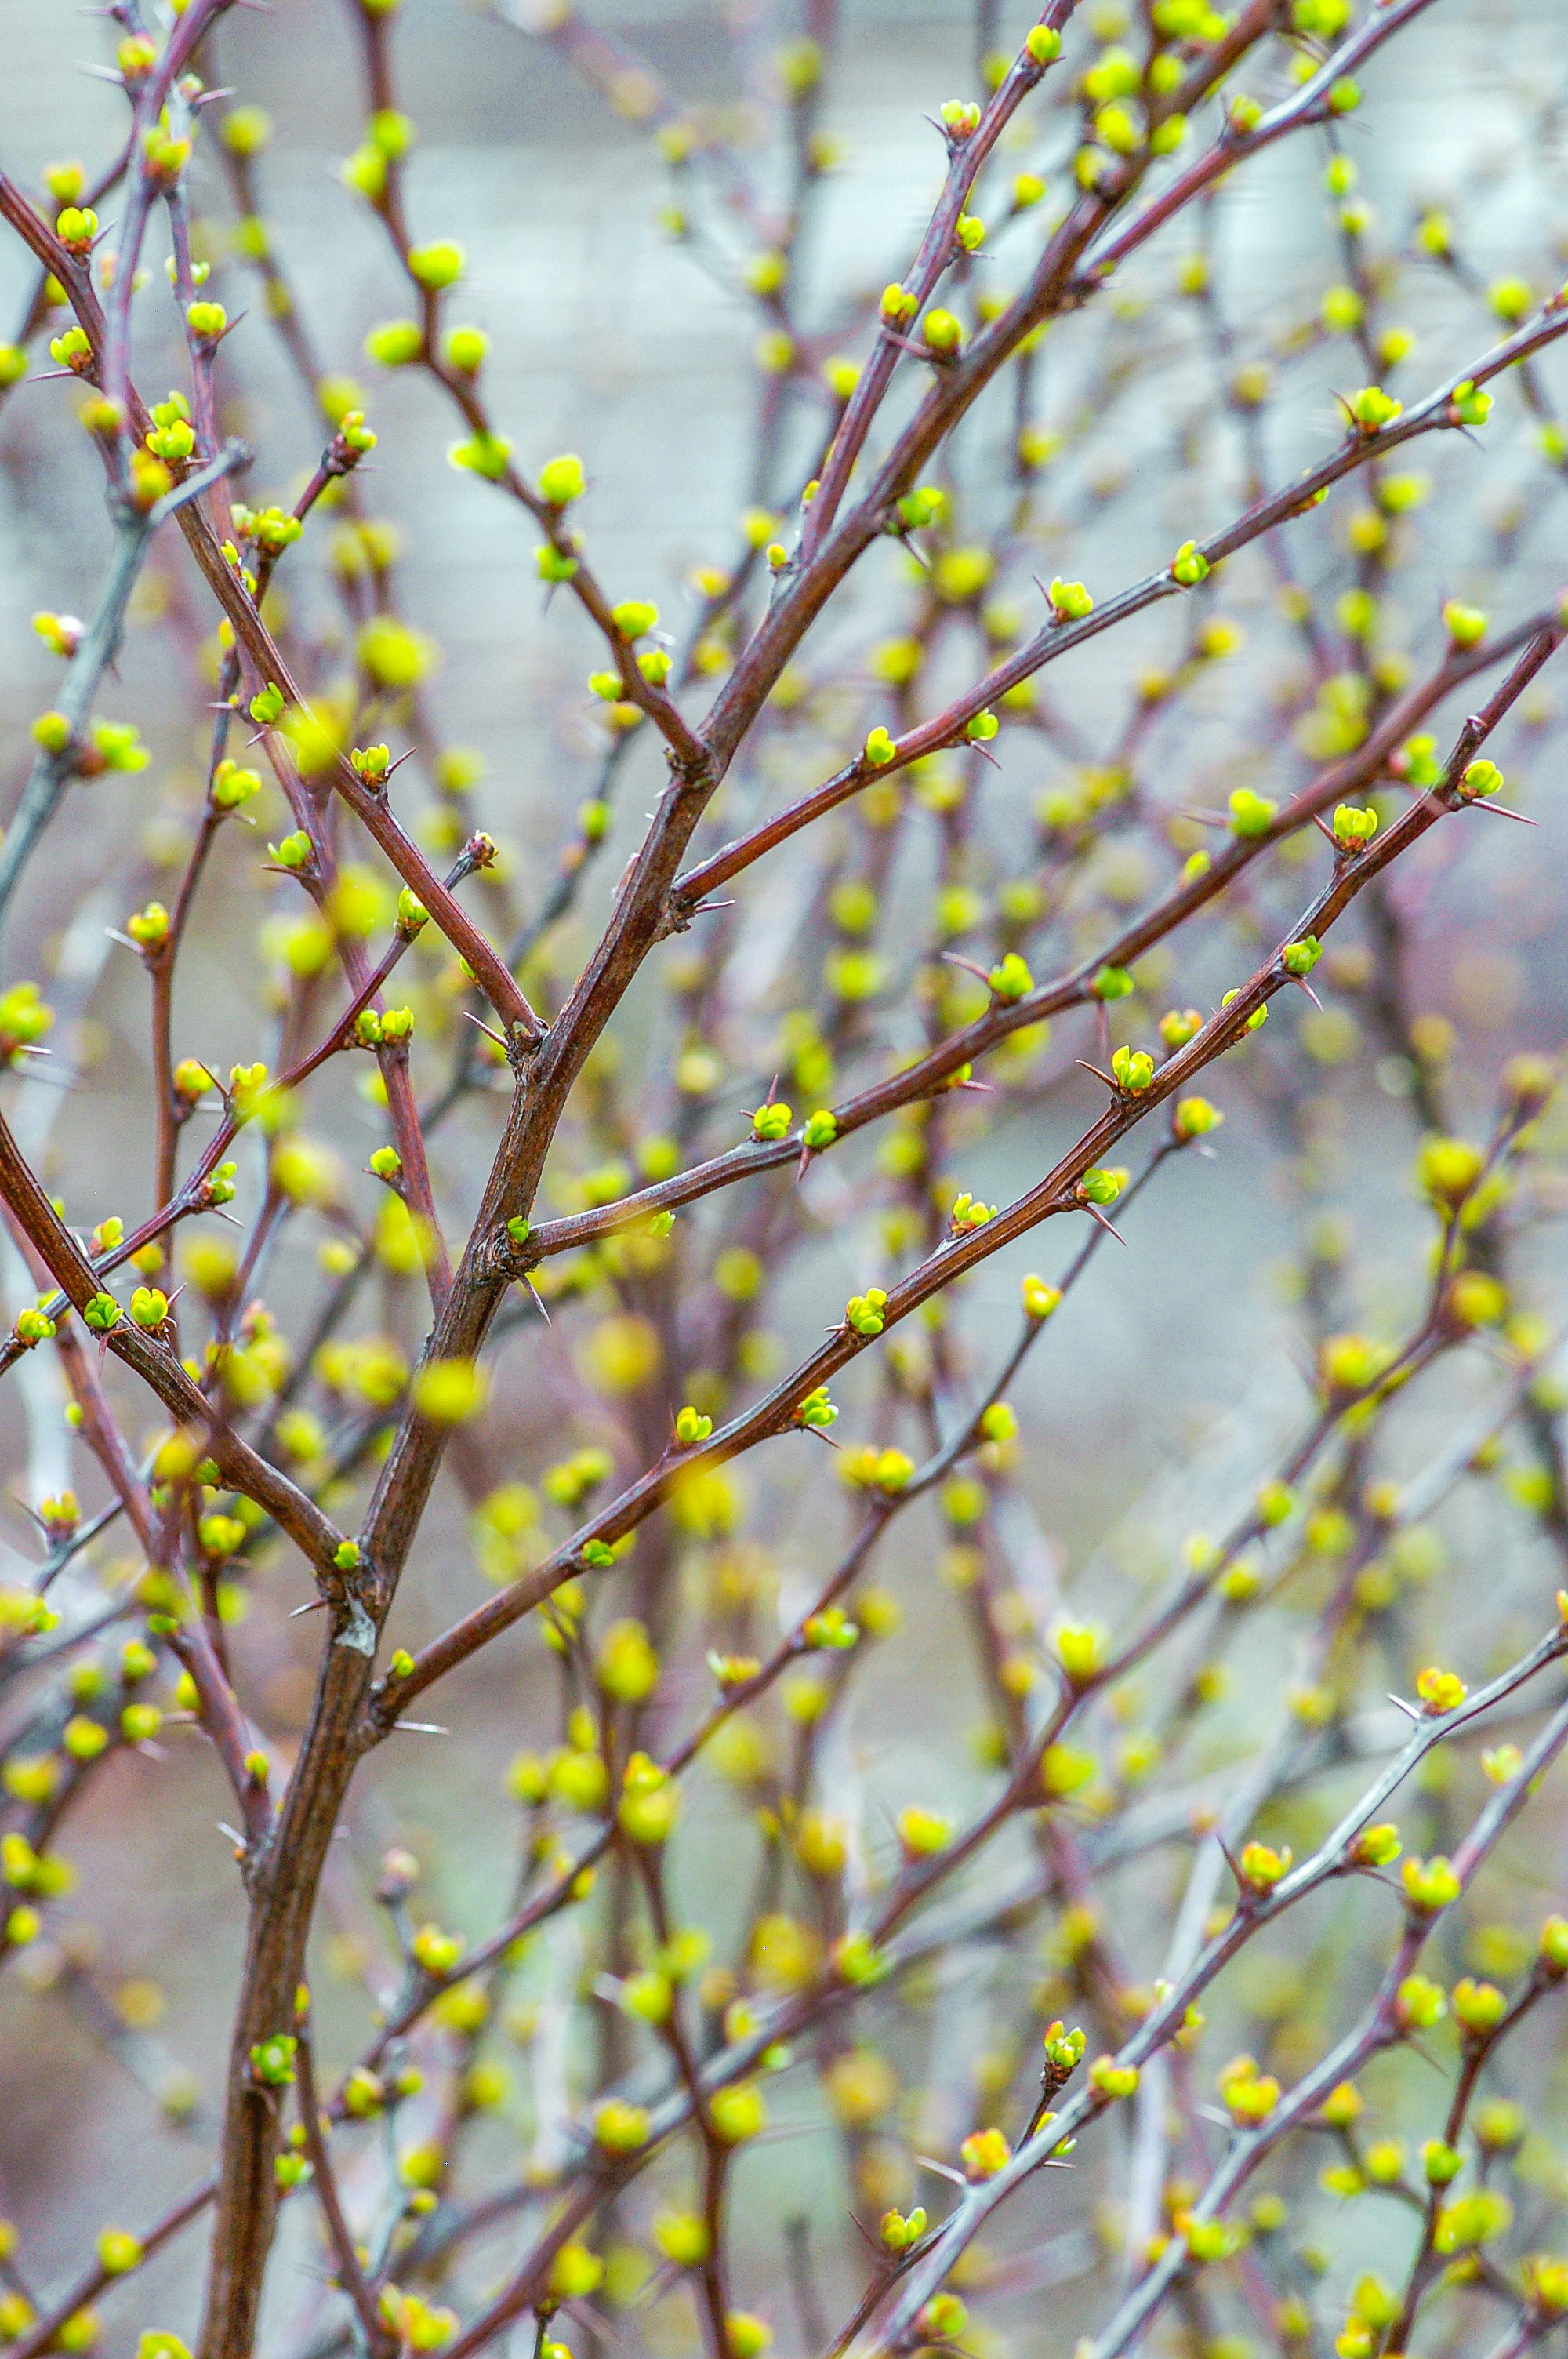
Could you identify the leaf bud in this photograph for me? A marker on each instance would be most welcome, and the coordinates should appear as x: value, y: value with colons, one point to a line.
x: 1099, y: 1186
x: 983, y: 2154
x: 272, y: 2060
x: 1440, y: 1692
x: 1251, y: 815
x: 1429, y: 1884
x: 1262, y: 1866
x: 436, y: 266
x: 562, y: 480
x: 1465, y: 626
x: 1112, y: 2080
x: 1011, y: 979
x: 1195, y: 1119
x: 1478, y: 2006
x: 232, y: 786
x: 1376, y: 1846
x: 1479, y: 778
x: 76, y: 226
x: 1039, y: 1299
x: 1133, y: 1070
x: 1470, y: 404
x: 1353, y: 828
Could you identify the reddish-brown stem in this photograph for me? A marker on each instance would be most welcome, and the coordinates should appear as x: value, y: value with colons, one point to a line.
x: 41, y: 2336
x: 938, y: 248
x: 345, y: 2255
x: 156, y: 1365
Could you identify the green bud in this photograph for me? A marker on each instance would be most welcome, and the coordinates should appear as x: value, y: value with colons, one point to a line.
x: 1195, y: 1119
x: 1133, y: 1070
x: 436, y: 266
x: 1479, y: 778
x: 396, y: 342
x: 1465, y: 626
x: 1372, y: 409
x: 562, y: 480
x: 1469, y: 405
x: 485, y: 454
x: 1353, y: 828
x: 1011, y: 980
x: 272, y: 2060
x: 863, y: 1313
x: 467, y: 350
x: 1251, y: 815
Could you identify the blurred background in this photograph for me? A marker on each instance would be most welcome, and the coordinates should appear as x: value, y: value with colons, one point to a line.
x: 1179, y: 1376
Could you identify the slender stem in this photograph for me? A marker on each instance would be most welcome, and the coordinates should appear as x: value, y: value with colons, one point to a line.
x: 345, y: 2254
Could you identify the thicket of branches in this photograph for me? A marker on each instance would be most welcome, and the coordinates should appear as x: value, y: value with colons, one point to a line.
x: 1213, y: 1980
